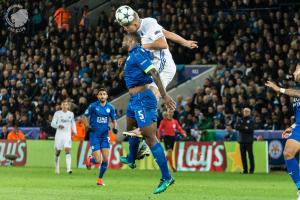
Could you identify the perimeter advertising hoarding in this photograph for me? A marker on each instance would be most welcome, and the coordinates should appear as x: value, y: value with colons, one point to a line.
x: 192, y: 156
x: 17, y: 148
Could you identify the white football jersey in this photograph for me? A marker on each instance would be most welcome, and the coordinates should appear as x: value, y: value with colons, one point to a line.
x: 66, y: 119
x: 150, y: 31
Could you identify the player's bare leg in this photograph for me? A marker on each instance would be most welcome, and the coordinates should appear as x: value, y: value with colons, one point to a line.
x: 159, y: 156
x: 68, y: 159
x: 104, y: 165
x: 93, y: 159
x: 57, y: 153
x: 291, y: 148
x: 97, y: 156
x: 155, y: 92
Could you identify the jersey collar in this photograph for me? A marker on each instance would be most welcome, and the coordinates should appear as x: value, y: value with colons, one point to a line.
x: 135, y: 47
x: 99, y: 103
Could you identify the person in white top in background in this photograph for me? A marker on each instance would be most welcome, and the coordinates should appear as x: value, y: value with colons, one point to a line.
x: 64, y: 123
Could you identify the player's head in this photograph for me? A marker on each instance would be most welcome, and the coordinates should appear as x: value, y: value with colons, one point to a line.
x: 65, y: 105
x: 130, y: 40
x: 297, y: 73
x: 133, y: 26
x: 102, y: 95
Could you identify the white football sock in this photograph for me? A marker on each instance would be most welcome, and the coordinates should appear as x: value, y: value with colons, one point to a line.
x: 57, y: 164
x: 68, y: 161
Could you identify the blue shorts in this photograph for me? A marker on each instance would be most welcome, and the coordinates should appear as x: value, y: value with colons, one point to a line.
x: 295, y: 134
x: 98, y: 143
x: 142, y: 107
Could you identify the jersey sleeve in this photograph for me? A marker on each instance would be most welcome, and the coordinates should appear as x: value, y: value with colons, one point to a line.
x: 88, y: 111
x: 142, y: 59
x: 54, y: 122
x: 73, y: 124
x: 113, y: 114
x: 155, y: 31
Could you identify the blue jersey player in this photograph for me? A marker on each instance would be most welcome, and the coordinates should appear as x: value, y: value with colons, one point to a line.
x: 141, y: 110
x: 292, y: 134
x: 99, y: 114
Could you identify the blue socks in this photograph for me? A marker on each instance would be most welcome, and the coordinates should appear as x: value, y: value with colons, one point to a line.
x: 103, y: 168
x: 160, y: 158
x: 133, y: 149
x: 293, y: 170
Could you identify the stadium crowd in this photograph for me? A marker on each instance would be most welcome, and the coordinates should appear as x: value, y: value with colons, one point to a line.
x: 45, y: 65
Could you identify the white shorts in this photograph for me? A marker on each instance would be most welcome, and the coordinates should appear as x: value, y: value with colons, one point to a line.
x: 62, y: 141
x: 166, y: 71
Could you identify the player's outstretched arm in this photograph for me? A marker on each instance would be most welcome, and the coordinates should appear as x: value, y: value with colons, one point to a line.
x: 160, y: 43
x: 169, y: 102
x: 180, y: 40
x: 289, y: 92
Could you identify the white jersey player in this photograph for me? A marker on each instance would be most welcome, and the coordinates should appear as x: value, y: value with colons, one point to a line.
x: 153, y: 38
x: 64, y: 123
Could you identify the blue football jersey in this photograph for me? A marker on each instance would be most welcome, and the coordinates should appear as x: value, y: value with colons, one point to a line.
x: 137, y: 65
x: 99, y: 117
x: 296, y: 106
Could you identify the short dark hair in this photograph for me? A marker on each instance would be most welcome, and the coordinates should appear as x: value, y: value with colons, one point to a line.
x: 134, y: 36
x: 102, y: 89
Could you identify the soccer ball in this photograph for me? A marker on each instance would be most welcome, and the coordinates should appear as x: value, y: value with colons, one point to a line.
x: 124, y: 15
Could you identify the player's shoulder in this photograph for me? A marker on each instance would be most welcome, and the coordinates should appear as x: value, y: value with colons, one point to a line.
x: 109, y: 105
x: 149, y: 20
x: 58, y: 112
x: 95, y: 103
x: 70, y: 112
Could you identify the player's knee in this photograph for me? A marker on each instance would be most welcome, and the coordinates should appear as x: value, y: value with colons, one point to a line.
x: 150, y: 141
x: 67, y: 151
x: 57, y: 153
x: 97, y: 160
x: 288, y: 154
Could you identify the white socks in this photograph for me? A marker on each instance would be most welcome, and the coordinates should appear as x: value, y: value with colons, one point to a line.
x: 57, y: 164
x: 68, y: 162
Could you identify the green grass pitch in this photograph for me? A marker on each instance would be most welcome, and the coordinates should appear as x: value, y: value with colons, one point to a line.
x: 25, y: 183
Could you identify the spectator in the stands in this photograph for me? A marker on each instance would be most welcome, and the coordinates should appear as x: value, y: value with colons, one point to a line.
x: 16, y: 134
x: 4, y: 132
